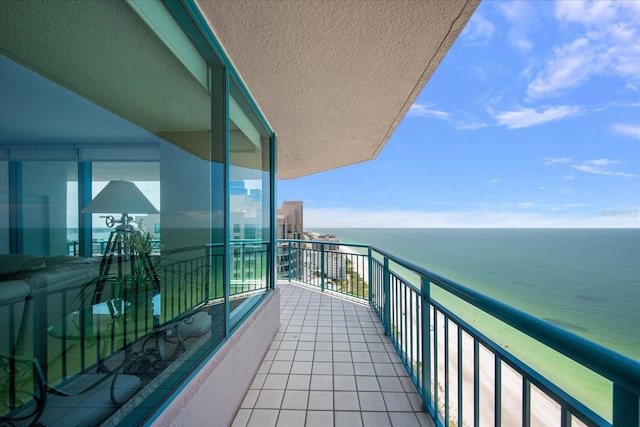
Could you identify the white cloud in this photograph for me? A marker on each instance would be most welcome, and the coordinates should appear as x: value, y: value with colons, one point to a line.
x: 596, y: 166
x: 608, y: 43
x: 526, y: 117
x: 520, y: 15
x: 522, y: 43
x: 463, y: 125
x: 552, y: 161
x: 484, y: 218
x: 595, y: 13
x: 478, y: 29
x: 494, y: 180
x: 425, y: 110
x: 627, y: 130
x: 602, y: 162
x: 571, y: 66
x: 598, y: 170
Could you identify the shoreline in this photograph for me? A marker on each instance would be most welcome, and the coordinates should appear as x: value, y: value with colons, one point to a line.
x: 362, y: 265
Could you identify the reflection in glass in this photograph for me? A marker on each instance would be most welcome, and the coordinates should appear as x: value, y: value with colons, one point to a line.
x: 249, y: 207
x: 146, y: 117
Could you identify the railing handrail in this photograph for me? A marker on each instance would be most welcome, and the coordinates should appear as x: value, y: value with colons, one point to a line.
x: 606, y: 362
x: 615, y: 367
x: 324, y: 242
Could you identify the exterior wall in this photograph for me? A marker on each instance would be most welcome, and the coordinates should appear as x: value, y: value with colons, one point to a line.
x: 330, y: 243
x: 289, y: 226
x: 335, y: 264
x: 215, y: 393
x: 290, y: 217
x: 284, y: 262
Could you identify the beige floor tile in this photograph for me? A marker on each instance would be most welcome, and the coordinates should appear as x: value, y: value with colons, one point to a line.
x: 288, y: 418
x: 319, y: 419
x: 269, y: 399
x: 346, y: 401
x: 295, y: 399
x: 242, y: 418
x: 320, y: 400
x: 263, y: 418
x: 331, y: 363
x: 347, y: 419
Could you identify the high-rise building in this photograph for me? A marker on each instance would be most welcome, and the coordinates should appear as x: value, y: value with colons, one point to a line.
x: 290, y: 220
x: 290, y: 226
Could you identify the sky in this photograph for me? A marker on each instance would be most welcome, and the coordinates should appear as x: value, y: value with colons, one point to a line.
x: 531, y: 120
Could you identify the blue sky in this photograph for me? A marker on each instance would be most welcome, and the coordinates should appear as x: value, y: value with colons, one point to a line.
x: 531, y: 120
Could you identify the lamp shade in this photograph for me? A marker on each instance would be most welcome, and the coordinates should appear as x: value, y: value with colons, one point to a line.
x: 120, y: 197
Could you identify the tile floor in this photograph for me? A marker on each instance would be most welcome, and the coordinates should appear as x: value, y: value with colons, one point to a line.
x: 330, y: 365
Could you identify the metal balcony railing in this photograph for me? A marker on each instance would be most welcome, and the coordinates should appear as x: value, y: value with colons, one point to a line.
x: 98, y: 246
x: 463, y: 376
x: 55, y: 336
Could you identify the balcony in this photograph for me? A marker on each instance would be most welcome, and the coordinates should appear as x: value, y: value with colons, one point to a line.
x: 356, y: 347
x: 330, y: 364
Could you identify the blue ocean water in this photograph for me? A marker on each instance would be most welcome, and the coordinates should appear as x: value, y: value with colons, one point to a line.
x: 586, y: 281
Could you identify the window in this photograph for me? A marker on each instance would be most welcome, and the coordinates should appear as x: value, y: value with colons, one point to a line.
x: 114, y: 101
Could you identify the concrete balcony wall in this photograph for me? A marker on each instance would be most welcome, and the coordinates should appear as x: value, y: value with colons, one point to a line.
x: 215, y: 393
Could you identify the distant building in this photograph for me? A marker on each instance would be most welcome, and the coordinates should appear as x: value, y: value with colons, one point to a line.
x: 245, y: 211
x: 246, y: 218
x: 290, y: 226
x: 334, y: 244
x: 335, y: 266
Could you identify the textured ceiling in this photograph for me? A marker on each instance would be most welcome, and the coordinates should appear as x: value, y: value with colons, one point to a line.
x: 104, y: 52
x: 334, y: 78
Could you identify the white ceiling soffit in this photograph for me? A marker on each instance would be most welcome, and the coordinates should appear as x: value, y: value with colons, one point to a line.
x: 334, y: 78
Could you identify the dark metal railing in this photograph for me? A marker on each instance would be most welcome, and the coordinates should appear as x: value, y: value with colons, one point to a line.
x: 464, y: 377
x: 98, y: 247
x: 69, y: 331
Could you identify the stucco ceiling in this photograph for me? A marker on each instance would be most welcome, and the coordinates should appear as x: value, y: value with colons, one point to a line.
x: 334, y: 78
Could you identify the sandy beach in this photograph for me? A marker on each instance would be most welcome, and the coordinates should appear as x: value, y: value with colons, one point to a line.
x: 360, y: 263
x: 544, y: 411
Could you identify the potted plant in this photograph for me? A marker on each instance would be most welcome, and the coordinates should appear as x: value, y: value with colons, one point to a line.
x: 134, y: 290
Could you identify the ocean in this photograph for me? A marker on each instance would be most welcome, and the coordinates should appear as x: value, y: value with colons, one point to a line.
x: 586, y: 281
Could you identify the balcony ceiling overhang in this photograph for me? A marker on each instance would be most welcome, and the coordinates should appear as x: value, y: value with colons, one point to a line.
x: 335, y: 78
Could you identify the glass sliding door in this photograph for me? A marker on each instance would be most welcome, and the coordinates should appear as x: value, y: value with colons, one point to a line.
x: 87, y: 102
